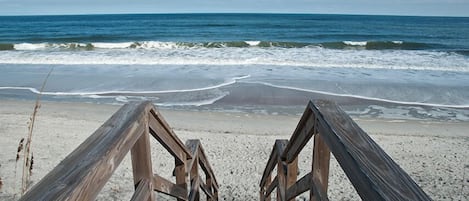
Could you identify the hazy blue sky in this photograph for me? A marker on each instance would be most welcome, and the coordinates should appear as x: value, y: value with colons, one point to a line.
x: 387, y: 7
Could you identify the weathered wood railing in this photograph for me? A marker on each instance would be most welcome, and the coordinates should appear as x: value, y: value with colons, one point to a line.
x: 371, y: 171
x: 84, y: 172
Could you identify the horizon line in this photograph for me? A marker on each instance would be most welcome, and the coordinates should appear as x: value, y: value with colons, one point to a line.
x: 189, y: 13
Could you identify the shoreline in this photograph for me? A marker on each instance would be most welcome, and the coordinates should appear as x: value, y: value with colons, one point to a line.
x: 432, y: 152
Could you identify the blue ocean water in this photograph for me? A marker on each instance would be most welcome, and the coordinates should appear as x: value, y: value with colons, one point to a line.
x: 207, y: 59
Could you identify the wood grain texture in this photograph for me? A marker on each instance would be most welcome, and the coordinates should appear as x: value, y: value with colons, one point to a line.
x: 272, y: 162
x: 141, y: 160
x: 82, y: 174
x: 199, y: 157
x: 181, y: 177
x: 270, y: 188
x: 320, y: 165
x: 301, y: 186
x: 162, y: 185
x: 292, y: 175
x: 373, y: 173
x: 144, y: 191
x: 301, y: 135
x: 281, y: 170
x: 167, y: 141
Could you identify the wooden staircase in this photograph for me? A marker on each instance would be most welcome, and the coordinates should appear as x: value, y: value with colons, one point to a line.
x: 84, y: 172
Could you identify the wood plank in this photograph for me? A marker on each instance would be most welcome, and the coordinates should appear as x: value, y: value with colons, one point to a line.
x: 271, y: 163
x: 292, y: 174
x: 166, y: 140
x: 157, y: 115
x: 162, y: 185
x: 373, y: 173
x: 82, y: 174
x: 209, y: 183
x: 144, y: 191
x: 194, y: 192
x: 303, y: 185
x: 205, y: 165
x: 141, y: 159
x: 181, y: 178
x: 205, y: 189
x: 193, y: 147
x: 316, y: 192
x: 303, y: 132
x: 270, y: 188
x: 281, y: 171
x: 321, y: 160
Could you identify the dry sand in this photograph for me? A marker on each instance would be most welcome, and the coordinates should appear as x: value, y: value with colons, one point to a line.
x: 434, y: 154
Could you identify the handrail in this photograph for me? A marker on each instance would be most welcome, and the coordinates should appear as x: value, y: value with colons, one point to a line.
x: 84, y: 172
x: 374, y: 175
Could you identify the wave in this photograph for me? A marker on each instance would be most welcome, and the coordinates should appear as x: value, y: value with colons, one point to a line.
x: 111, y: 92
x: 361, y: 97
x: 380, y: 45
x: 352, y: 45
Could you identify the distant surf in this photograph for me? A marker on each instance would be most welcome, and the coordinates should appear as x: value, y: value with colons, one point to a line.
x: 348, y: 45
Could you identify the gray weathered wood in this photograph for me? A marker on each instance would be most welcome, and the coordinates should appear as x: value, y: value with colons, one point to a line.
x: 301, y: 186
x: 181, y: 178
x: 82, y: 174
x: 144, y: 191
x: 316, y: 192
x: 292, y: 175
x: 162, y: 135
x: 281, y: 170
x: 373, y: 173
x: 270, y: 188
x: 162, y: 185
x: 300, y: 137
x: 320, y: 166
x: 141, y: 159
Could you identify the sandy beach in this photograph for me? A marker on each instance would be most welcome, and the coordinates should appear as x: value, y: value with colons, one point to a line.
x: 433, y: 153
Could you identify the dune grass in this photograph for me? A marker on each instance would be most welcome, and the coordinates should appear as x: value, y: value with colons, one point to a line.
x: 24, y: 146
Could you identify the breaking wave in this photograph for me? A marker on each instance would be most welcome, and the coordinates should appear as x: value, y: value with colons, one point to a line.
x: 366, y: 45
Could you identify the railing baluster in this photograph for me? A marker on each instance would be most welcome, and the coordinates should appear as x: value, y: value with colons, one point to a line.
x: 141, y: 159
x: 320, y: 166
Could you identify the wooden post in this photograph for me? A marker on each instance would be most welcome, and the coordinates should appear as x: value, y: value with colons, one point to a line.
x: 292, y: 174
x: 194, y: 175
x: 208, y: 183
x: 267, y: 184
x: 282, y: 180
x: 180, y: 173
x: 141, y: 160
x: 320, y: 169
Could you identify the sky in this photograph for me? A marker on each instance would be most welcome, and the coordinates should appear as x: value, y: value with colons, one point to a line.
x: 373, y: 7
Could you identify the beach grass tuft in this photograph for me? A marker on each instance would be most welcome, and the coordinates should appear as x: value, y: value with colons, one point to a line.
x: 27, y: 152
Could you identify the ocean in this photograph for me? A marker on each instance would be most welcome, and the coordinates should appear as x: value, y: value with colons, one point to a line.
x: 377, y: 66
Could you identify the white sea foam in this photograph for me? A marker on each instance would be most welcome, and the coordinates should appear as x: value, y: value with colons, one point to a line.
x: 112, y: 45
x: 253, y: 43
x: 98, y: 94
x: 314, y: 57
x: 194, y: 103
x: 356, y: 43
x: 30, y: 46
